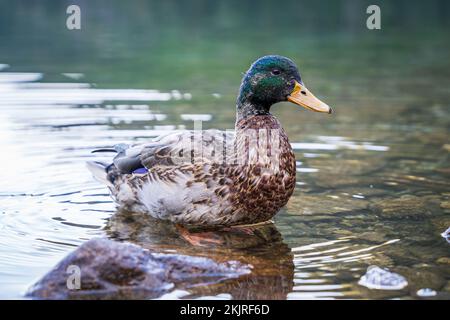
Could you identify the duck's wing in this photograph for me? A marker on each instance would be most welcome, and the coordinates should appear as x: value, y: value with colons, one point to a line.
x: 188, y: 147
x: 174, y: 149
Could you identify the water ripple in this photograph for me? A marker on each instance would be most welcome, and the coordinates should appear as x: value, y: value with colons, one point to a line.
x: 312, y: 279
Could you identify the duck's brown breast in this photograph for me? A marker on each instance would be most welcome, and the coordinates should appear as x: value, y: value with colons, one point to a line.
x: 266, y: 176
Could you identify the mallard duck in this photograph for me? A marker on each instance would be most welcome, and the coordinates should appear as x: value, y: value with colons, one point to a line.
x: 212, y: 177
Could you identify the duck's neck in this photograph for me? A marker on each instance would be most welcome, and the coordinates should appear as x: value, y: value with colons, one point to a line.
x: 247, y: 110
x: 248, y: 106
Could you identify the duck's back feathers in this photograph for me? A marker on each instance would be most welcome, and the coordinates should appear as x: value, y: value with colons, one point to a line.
x: 188, y: 147
x: 172, y: 149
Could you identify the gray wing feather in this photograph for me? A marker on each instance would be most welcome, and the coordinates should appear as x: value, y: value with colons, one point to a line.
x: 172, y: 149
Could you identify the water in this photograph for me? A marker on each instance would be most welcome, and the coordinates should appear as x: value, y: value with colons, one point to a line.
x: 373, y: 183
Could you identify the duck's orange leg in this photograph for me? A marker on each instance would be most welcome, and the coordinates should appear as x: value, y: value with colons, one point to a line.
x: 199, y: 238
x: 244, y: 229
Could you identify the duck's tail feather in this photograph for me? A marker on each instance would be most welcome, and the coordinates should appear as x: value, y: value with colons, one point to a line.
x: 104, y: 150
x: 121, y: 147
x: 99, y: 170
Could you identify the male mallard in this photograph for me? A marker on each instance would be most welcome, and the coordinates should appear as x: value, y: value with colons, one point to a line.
x: 214, y: 177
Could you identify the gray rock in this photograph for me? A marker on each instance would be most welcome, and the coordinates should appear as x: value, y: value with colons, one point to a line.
x: 426, y: 292
x: 382, y: 279
x: 114, y: 270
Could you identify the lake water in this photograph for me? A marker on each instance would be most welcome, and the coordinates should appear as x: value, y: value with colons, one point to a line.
x: 373, y: 183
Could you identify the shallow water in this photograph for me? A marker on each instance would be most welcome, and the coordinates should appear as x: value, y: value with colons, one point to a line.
x: 373, y: 183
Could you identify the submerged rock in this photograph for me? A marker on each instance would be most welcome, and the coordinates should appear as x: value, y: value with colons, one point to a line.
x: 341, y: 173
x: 324, y: 204
x: 406, y: 207
x: 443, y: 260
x: 108, y: 269
x: 445, y: 204
x: 423, y: 277
x: 382, y: 279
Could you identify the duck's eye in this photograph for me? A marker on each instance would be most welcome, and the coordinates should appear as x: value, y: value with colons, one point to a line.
x: 276, y: 72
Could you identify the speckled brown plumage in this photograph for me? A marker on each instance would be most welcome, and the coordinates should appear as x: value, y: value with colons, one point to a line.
x: 259, y: 189
x: 241, y: 191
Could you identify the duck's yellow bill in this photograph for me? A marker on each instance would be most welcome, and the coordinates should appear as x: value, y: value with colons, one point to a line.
x: 303, y: 97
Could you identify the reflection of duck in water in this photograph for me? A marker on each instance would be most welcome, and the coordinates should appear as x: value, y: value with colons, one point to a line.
x: 260, y: 245
x: 217, y: 178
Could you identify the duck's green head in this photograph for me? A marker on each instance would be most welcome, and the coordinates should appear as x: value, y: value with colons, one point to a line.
x: 273, y: 79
